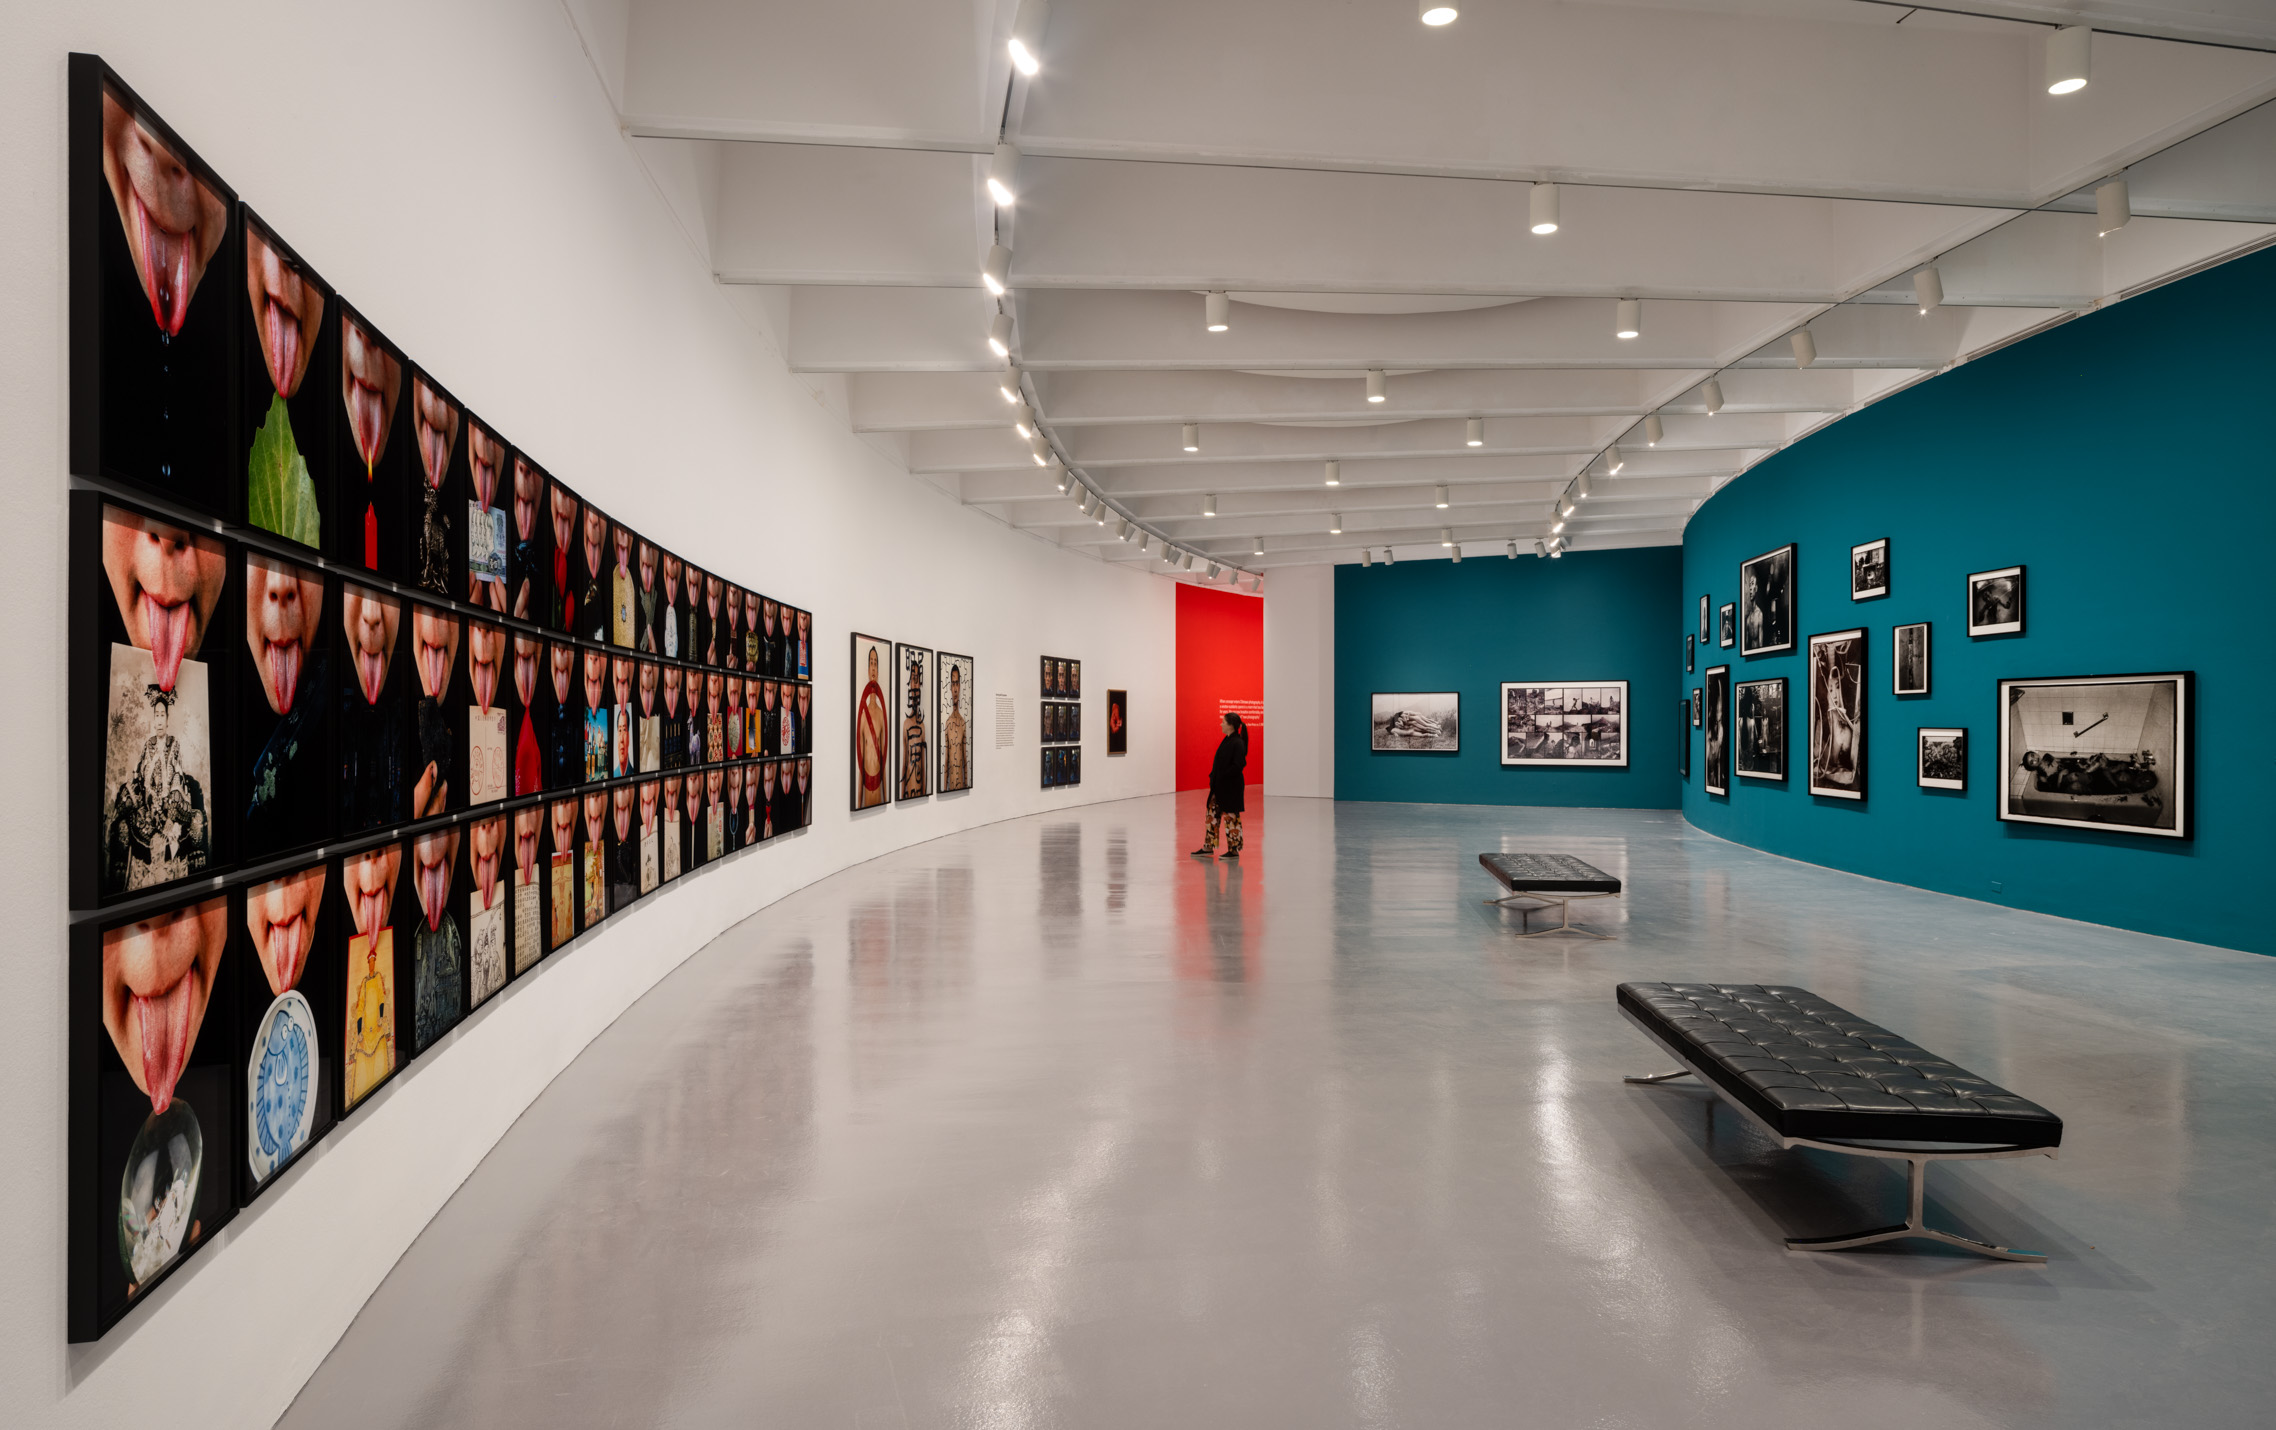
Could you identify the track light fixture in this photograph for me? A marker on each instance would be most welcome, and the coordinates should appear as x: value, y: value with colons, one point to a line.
x: 1613, y: 461
x: 1541, y: 208
x: 1083, y: 500
x: 1039, y: 449
x: 1003, y: 176
x: 1446, y: 536
x: 2113, y: 208
x: 1375, y: 387
x: 1023, y: 422
x: 1059, y: 476
x: 1189, y: 436
x: 1654, y: 430
x: 1711, y: 393
x: 1008, y: 384
x: 2070, y: 53
x: 1580, y: 486
x: 1122, y: 529
x: 1000, y: 335
x: 1388, y: 560
x: 1928, y: 289
x: 1474, y: 433
x: 1457, y: 554
x: 1438, y: 497
x: 1101, y: 514
x: 1258, y: 549
x: 1027, y: 36
x: 1335, y: 474
x: 1335, y: 523
x: 1209, y: 505
x: 1628, y: 321
x: 1366, y: 556
x: 1185, y: 560
x: 1540, y: 547
x: 1215, y: 570
x: 1513, y: 549
x: 1217, y: 312
x: 1805, y: 347
x: 1439, y: 12
x: 1557, y: 523
x: 1557, y: 549
x: 996, y: 273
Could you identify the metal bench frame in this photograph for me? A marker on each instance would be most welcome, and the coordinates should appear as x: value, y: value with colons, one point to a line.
x: 1537, y: 901
x: 1915, y: 1155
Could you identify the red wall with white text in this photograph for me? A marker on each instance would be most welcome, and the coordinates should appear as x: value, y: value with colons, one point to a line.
x: 1220, y: 667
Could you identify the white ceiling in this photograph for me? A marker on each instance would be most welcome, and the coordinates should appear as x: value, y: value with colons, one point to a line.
x: 1359, y: 183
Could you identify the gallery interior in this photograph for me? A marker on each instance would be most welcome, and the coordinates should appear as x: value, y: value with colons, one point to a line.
x: 910, y: 715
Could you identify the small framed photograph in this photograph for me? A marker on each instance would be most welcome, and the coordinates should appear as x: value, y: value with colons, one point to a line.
x: 1869, y: 570
x: 1683, y: 739
x: 1837, y: 714
x: 1908, y: 659
x: 2098, y: 752
x: 1943, y: 759
x: 1766, y: 603
x: 1690, y: 653
x: 1761, y: 729
x: 1995, y: 602
x: 1703, y: 620
x: 1728, y: 636
x: 1718, y: 714
x: 1411, y: 722
x: 1697, y: 708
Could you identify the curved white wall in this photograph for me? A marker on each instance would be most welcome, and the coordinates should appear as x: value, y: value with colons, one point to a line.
x: 456, y: 170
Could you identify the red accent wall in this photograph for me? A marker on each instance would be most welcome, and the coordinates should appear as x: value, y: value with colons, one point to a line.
x: 1220, y: 665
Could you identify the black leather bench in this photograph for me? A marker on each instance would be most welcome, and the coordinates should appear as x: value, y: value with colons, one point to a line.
x: 1813, y: 1074
x: 1538, y: 882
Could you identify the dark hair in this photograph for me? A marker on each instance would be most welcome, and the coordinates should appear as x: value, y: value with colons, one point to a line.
x: 1240, y: 727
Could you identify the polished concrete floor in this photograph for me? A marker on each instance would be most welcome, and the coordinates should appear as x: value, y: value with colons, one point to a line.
x: 1048, y: 1125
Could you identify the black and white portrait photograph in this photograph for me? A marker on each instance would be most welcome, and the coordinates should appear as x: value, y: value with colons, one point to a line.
x: 1427, y: 722
x: 1717, y: 695
x: 1696, y: 707
x: 1837, y: 714
x: 1728, y: 633
x: 1869, y: 570
x: 1565, y: 723
x: 1766, y: 603
x: 1683, y: 738
x: 1760, y: 728
x: 1690, y: 653
x: 2097, y: 752
x: 1908, y: 659
x: 1943, y: 759
x: 1995, y: 602
x: 1703, y: 620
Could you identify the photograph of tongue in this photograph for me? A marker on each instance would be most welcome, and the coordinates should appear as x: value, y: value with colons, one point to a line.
x: 371, y: 460
x: 284, y: 419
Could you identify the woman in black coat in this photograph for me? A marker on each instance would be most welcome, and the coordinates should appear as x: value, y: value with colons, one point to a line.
x: 1227, y: 781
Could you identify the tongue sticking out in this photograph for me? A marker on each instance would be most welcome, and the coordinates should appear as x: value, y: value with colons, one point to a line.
x: 284, y: 671
x: 166, y: 265
x: 434, y: 890
x: 364, y: 414
x: 280, y: 343
x: 371, y: 911
x: 433, y: 668
x: 169, y: 628
x: 164, y: 1022
x: 285, y: 953
x: 371, y: 674
x: 486, y: 876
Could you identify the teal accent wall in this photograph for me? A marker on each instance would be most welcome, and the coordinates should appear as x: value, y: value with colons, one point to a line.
x: 1436, y: 625
x: 2124, y: 458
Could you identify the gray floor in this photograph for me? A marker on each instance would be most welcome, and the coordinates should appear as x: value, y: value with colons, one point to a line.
x: 1048, y: 1125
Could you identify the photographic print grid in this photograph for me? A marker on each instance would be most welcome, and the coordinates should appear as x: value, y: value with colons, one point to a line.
x: 1565, y: 724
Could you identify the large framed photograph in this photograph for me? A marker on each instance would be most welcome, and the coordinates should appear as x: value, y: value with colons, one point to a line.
x: 955, y: 723
x: 872, y: 745
x: 1717, y: 694
x: 1580, y: 723
x: 1761, y: 729
x: 1943, y: 759
x: 912, y: 729
x: 1766, y: 602
x: 1995, y: 602
x: 1908, y: 659
x: 2098, y: 752
x: 1837, y: 714
x: 1869, y: 570
x: 1413, y: 722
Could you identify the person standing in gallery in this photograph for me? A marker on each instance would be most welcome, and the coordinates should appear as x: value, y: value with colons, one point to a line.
x: 1227, y: 789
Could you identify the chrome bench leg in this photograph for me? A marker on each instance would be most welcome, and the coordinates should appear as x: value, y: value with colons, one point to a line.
x: 1914, y: 1226
x: 1658, y: 1077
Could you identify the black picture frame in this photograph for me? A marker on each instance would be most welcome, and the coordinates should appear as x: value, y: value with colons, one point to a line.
x: 2136, y: 777
x: 283, y: 801
x: 1414, y: 722
x: 281, y: 929
x: 1703, y: 619
x: 280, y: 481
x: 1869, y: 570
x: 912, y: 710
x: 1698, y: 709
x: 1683, y: 738
x: 956, y: 693
x: 1690, y: 653
x: 1759, y: 722
x: 369, y: 519
x: 1117, y: 722
x: 1995, y: 602
x: 864, y: 683
x: 1768, y: 618
x: 1910, y: 654
x: 1715, y: 769
x: 1727, y: 621
x: 1838, y: 726
x: 1942, y: 758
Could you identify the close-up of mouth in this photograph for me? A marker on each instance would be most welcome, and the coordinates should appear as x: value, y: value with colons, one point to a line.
x: 166, y: 260
x: 371, y: 909
x: 486, y: 876
x: 288, y: 949
x: 169, y: 628
x: 280, y: 341
x: 367, y: 420
x: 434, y: 668
x: 434, y: 892
x: 282, y: 662
x: 371, y: 672
x: 162, y: 1020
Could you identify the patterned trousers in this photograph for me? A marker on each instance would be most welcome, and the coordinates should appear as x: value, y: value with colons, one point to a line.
x: 1230, y: 823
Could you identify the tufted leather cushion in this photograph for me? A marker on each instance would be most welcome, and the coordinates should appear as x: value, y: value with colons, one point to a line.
x: 1812, y: 1069
x: 1548, y: 873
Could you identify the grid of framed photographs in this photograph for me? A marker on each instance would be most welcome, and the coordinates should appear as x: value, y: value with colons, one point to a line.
x: 369, y: 712
x: 1062, y: 722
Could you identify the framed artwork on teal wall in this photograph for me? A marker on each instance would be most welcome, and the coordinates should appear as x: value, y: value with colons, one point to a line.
x: 2098, y: 752
x: 1837, y: 714
x: 1766, y: 602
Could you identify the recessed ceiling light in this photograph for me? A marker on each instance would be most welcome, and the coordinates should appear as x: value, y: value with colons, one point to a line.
x: 1628, y: 320
x: 2070, y: 53
x: 1541, y: 208
x: 1216, y: 311
x: 1003, y: 173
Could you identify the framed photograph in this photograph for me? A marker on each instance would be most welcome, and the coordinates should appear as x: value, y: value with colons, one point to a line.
x: 291, y: 1055
x: 1698, y: 708
x: 491, y: 533
x: 768, y: 640
x: 438, y: 783
x: 1581, y: 723
x: 1908, y: 659
x: 372, y: 738
x: 1118, y: 722
x: 2098, y: 752
x: 1869, y: 570
x: 1728, y: 633
x: 1995, y: 602
x: 1760, y: 729
x: 1943, y: 759
x: 284, y: 709
x: 561, y: 869
x: 374, y: 1039
x: 956, y: 687
x: 1703, y: 620
x: 621, y: 841
x: 1766, y: 602
x: 1412, y: 722
x: 799, y: 659
x: 1683, y: 739
x: 1716, y: 776
x: 731, y: 642
x: 622, y: 589
x: 284, y: 408
x: 872, y: 746
x: 154, y: 1116
x: 371, y: 452
x: 1837, y: 714
x: 438, y: 482
x: 528, y: 853
x: 912, y: 729
x: 1690, y: 653
x: 439, y: 949
x: 647, y: 596
x: 155, y: 305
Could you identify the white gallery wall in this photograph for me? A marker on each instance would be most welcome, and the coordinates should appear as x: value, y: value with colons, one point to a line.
x: 1300, y: 681
x: 456, y: 171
